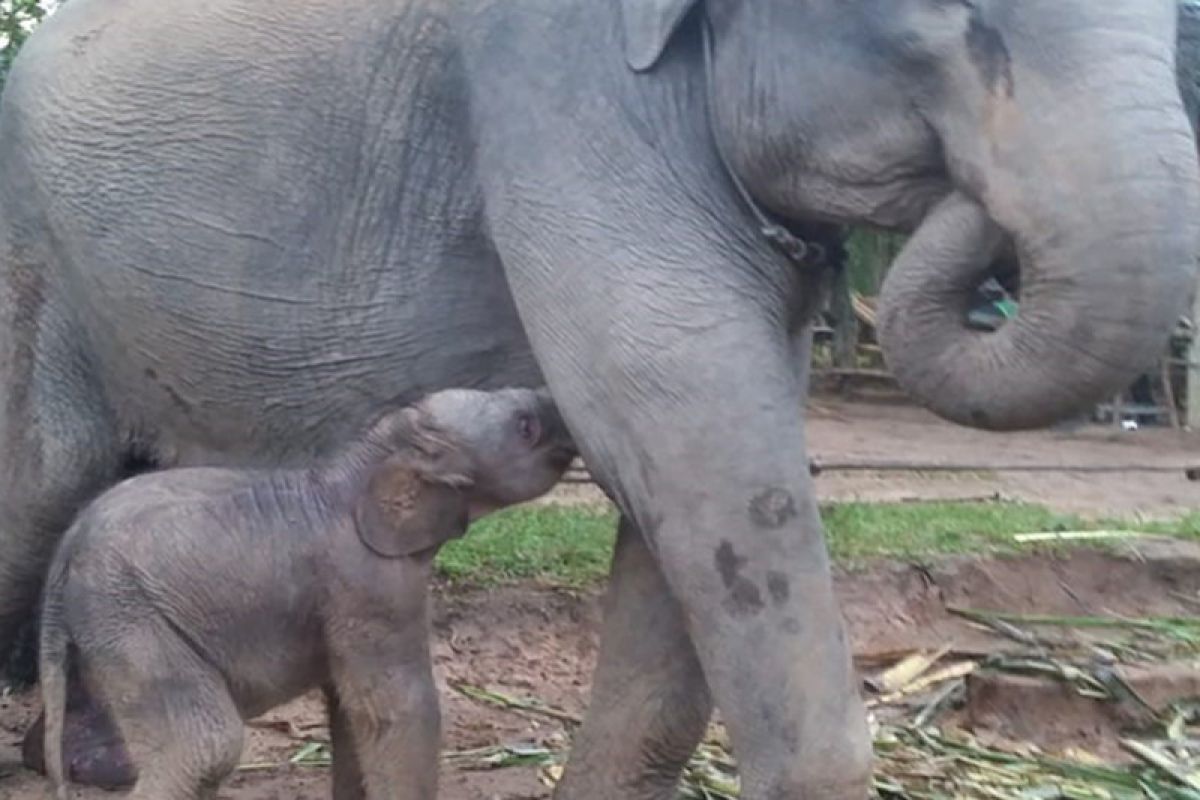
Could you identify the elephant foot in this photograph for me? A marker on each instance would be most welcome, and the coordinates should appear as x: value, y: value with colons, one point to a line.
x: 92, y: 748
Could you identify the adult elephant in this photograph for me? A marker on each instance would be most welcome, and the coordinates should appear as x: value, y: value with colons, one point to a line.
x: 229, y: 229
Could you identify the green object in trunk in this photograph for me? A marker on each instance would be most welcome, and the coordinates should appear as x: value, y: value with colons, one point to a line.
x: 992, y: 314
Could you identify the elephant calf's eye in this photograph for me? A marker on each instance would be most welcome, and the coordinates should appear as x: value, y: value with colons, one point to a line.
x: 528, y: 428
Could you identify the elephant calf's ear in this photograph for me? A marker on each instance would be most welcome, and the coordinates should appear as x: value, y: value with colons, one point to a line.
x: 402, y: 514
x: 648, y: 27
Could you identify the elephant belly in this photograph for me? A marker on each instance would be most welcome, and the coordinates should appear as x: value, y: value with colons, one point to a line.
x: 213, y: 376
x: 306, y: 385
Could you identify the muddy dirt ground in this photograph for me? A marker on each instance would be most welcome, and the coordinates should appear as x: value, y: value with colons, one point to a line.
x: 529, y: 641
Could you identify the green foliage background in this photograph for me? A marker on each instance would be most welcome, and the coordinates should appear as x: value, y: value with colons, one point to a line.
x: 17, y: 20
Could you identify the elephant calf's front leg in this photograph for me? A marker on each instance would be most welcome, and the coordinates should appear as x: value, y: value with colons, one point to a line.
x: 386, y: 722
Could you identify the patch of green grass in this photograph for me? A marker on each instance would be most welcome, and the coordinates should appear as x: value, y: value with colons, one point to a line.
x: 1187, y: 527
x: 858, y: 531
x: 572, y: 545
x: 566, y: 545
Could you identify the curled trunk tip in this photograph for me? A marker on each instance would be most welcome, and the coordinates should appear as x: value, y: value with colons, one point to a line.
x: 1093, y: 316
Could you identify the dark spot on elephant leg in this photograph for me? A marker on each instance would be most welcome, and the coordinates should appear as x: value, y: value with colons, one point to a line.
x: 979, y: 419
x: 744, y: 598
x: 990, y: 55
x: 792, y: 626
x: 789, y: 733
x: 772, y: 508
x: 778, y: 587
x: 729, y: 563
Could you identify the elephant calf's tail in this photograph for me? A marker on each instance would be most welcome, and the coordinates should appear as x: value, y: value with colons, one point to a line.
x: 55, y: 640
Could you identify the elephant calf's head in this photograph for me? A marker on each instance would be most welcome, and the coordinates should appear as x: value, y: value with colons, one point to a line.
x: 453, y: 457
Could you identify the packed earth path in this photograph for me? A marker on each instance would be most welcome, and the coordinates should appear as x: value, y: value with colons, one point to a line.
x: 889, y: 432
x: 880, y: 432
x: 538, y: 643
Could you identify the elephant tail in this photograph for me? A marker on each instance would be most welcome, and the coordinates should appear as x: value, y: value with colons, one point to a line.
x: 53, y: 650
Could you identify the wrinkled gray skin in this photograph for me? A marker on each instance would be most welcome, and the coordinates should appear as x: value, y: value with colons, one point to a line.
x: 227, y: 228
x: 195, y: 598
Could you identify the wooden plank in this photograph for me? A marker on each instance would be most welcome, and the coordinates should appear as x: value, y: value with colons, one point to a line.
x: 1168, y: 390
x: 1193, y: 368
x: 869, y: 374
x: 579, y: 472
x: 845, y: 331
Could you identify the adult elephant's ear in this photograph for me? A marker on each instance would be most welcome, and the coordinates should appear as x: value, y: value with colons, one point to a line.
x: 648, y: 27
x: 402, y: 513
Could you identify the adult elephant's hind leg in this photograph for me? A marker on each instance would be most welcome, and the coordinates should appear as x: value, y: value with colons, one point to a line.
x: 649, y: 703
x: 59, y: 446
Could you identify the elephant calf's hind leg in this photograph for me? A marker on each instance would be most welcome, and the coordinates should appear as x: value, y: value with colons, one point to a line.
x: 183, y: 730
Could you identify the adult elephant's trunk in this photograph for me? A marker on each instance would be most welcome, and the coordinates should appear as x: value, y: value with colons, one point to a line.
x: 1105, y: 225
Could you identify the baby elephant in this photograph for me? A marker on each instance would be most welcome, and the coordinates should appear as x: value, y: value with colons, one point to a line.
x: 193, y: 599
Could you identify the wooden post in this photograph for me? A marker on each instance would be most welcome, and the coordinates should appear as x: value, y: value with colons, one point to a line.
x: 1193, y: 367
x: 1191, y: 415
x: 845, y: 330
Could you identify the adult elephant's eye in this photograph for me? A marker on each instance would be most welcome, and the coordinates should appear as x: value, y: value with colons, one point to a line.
x: 528, y: 428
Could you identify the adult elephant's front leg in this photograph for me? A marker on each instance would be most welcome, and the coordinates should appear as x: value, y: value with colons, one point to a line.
x: 679, y: 386
x: 650, y: 703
